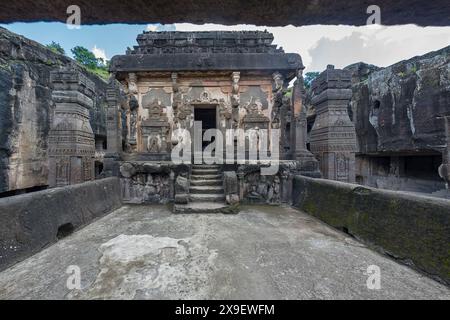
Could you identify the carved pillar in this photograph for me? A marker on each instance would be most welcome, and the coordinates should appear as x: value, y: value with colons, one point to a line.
x: 307, y: 163
x: 71, y: 140
x: 113, y: 131
x: 278, y: 89
x: 235, y: 99
x: 133, y: 106
x: 333, y: 136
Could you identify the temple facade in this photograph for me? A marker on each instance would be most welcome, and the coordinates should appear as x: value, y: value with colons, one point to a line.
x: 224, y: 81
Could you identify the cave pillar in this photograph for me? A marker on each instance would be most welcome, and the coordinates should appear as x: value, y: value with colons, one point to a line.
x: 71, y: 145
x: 333, y: 136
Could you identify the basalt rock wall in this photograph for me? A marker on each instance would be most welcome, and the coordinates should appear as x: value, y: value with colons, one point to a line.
x: 398, y: 109
x: 26, y: 109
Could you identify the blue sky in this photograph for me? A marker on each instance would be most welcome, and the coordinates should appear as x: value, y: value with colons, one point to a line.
x: 113, y: 39
x: 318, y: 45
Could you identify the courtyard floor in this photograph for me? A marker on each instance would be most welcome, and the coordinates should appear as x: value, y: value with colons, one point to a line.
x: 146, y: 252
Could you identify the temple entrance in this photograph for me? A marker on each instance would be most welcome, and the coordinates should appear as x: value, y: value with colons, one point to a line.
x: 208, y: 117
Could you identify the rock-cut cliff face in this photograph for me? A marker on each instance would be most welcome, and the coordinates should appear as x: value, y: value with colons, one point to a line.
x: 398, y: 109
x: 26, y: 109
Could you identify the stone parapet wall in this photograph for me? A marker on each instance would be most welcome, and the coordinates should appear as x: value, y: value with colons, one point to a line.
x: 30, y: 222
x: 412, y: 229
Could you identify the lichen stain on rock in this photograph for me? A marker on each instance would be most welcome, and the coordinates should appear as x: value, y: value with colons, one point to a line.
x: 143, y: 267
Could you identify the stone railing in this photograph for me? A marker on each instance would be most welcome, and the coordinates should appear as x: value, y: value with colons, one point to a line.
x: 412, y: 229
x: 30, y: 222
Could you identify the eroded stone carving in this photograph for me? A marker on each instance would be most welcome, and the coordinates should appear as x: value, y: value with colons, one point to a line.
x: 71, y: 139
x: 333, y: 136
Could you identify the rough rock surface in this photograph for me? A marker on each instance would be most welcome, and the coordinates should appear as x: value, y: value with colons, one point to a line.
x: 397, y: 108
x: 26, y: 109
x: 146, y: 252
x: 270, y: 13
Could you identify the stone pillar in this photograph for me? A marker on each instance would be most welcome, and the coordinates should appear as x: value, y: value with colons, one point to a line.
x: 71, y: 145
x: 307, y: 163
x: 113, y: 131
x: 333, y: 136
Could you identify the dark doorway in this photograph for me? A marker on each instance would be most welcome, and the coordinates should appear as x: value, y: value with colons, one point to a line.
x: 207, y: 116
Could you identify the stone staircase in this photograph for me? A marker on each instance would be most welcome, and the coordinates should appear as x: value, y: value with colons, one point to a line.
x: 206, y: 192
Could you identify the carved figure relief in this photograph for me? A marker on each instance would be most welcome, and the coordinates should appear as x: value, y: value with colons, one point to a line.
x: 132, y: 83
x: 133, y: 106
x: 235, y: 99
x: 154, y: 144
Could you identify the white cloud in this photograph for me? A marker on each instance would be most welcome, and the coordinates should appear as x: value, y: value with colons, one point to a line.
x: 157, y: 27
x: 343, y: 45
x: 99, y: 53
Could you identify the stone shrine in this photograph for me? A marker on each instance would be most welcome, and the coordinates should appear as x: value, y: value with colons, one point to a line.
x: 225, y: 80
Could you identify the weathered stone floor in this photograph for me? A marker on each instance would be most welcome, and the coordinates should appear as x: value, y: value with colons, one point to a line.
x: 263, y: 253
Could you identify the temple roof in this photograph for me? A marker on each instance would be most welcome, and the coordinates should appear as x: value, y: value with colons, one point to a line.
x: 206, y: 51
x: 205, y: 42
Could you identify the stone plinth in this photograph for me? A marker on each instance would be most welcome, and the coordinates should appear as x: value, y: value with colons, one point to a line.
x: 71, y: 140
x: 333, y: 137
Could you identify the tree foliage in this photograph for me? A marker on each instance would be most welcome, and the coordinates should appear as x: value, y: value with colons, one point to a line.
x: 309, y: 78
x: 87, y: 59
x: 56, y: 48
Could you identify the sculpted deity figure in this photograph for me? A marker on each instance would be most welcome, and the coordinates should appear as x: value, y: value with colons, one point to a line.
x: 154, y: 144
x: 133, y: 105
x: 235, y: 99
x: 132, y: 83
x: 278, y: 82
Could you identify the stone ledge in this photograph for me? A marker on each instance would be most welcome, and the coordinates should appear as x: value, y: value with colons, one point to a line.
x: 413, y: 229
x: 30, y: 222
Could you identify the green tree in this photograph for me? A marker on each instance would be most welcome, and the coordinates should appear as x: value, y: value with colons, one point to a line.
x: 309, y: 78
x: 85, y: 57
x: 56, y: 48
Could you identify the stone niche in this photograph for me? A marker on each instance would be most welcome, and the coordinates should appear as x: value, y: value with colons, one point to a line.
x: 155, y: 131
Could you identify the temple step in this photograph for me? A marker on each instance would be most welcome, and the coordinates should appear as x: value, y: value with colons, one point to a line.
x: 206, y: 190
x: 217, y: 182
x: 204, y: 207
x: 206, y: 166
x: 198, y: 171
x: 206, y: 177
x: 207, y: 197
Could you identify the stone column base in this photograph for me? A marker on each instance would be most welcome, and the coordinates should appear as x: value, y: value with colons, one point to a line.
x: 307, y: 164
